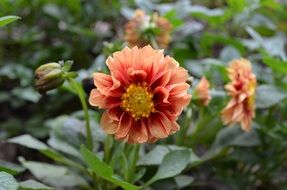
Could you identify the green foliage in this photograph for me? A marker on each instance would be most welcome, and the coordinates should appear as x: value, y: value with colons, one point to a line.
x: 203, y: 154
x: 8, y: 19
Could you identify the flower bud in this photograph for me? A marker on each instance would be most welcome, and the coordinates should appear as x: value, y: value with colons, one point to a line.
x: 48, y: 76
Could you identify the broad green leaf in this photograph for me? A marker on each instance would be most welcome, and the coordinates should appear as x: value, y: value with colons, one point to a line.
x: 232, y: 136
x: 268, y: 95
x: 229, y: 53
x: 55, y: 175
x: 8, y: 182
x: 7, y: 19
x: 275, y: 64
x: 33, y: 185
x: 173, y: 164
x: 63, y: 146
x: 28, y: 141
x: 10, y: 168
x: 156, y: 156
x: 104, y: 170
x: 183, y: 181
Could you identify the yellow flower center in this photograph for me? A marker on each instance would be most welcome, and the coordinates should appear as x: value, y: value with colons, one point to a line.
x: 138, y: 101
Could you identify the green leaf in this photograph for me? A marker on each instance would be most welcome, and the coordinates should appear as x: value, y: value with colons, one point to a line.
x: 267, y: 96
x: 55, y: 175
x: 7, y: 19
x: 104, y: 170
x: 63, y: 146
x: 275, y: 64
x: 33, y: 185
x: 183, y: 181
x: 8, y: 182
x: 28, y: 141
x: 232, y: 136
x: 156, y: 156
x: 10, y: 168
x: 173, y: 164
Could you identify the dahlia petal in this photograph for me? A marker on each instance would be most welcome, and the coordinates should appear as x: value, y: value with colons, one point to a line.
x: 178, y: 88
x: 137, y: 76
x: 178, y: 75
x: 124, y: 125
x: 175, y: 127
x: 97, y: 99
x: 162, y: 80
x: 102, y: 80
x: 161, y: 95
x: 115, y: 113
x: 109, y: 126
x: 159, y: 125
x: 139, y: 133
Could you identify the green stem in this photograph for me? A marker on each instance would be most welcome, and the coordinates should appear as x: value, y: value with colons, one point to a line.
x: 132, y: 168
x: 81, y: 95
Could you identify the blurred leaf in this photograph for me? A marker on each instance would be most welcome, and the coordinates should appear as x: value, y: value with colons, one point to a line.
x: 232, y: 136
x: 8, y: 19
x: 201, y: 10
x: 104, y: 170
x: 156, y: 155
x: 267, y: 96
x: 8, y: 182
x: 28, y: 141
x: 229, y: 53
x: 183, y: 181
x: 172, y: 18
x: 63, y: 146
x: 55, y: 175
x: 236, y: 5
x: 173, y: 163
x: 275, y: 46
x: 275, y: 64
x: 10, y: 168
x: 33, y: 185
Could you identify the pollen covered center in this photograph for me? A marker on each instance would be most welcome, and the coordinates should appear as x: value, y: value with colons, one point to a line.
x: 138, y: 101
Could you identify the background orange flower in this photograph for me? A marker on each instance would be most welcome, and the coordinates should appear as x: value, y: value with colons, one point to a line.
x: 202, y: 91
x: 241, y: 107
x: 142, y: 29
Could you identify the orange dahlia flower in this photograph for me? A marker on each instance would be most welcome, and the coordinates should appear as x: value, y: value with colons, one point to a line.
x: 241, y: 107
x: 202, y: 92
x: 142, y: 28
x: 143, y: 95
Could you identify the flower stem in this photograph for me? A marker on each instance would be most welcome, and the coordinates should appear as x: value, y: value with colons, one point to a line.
x: 134, y: 159
x: 81, y: 94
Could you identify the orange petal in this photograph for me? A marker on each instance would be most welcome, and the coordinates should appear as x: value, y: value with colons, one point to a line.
x: 109, y: 126
x: 124, y: 125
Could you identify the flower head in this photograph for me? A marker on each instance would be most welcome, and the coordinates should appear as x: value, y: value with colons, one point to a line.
x: 241, y: 107
x: 142, y: 29
x: 143, y: 95
x: 202, y: 92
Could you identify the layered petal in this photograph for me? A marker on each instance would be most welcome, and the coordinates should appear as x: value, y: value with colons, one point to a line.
x: 241, y: 107
x: 143, y: 95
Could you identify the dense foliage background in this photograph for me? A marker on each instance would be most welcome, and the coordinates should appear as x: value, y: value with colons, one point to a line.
x: 207, y: 35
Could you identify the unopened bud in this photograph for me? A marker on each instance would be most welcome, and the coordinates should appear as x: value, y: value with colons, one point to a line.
x: 48, y: 76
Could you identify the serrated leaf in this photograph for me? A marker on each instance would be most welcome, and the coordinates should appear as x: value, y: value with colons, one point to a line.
x: 33, y: 185
x: 104, y: 170
x: 267, y: 95
x: 8, y: 182
x: 8, y: 19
